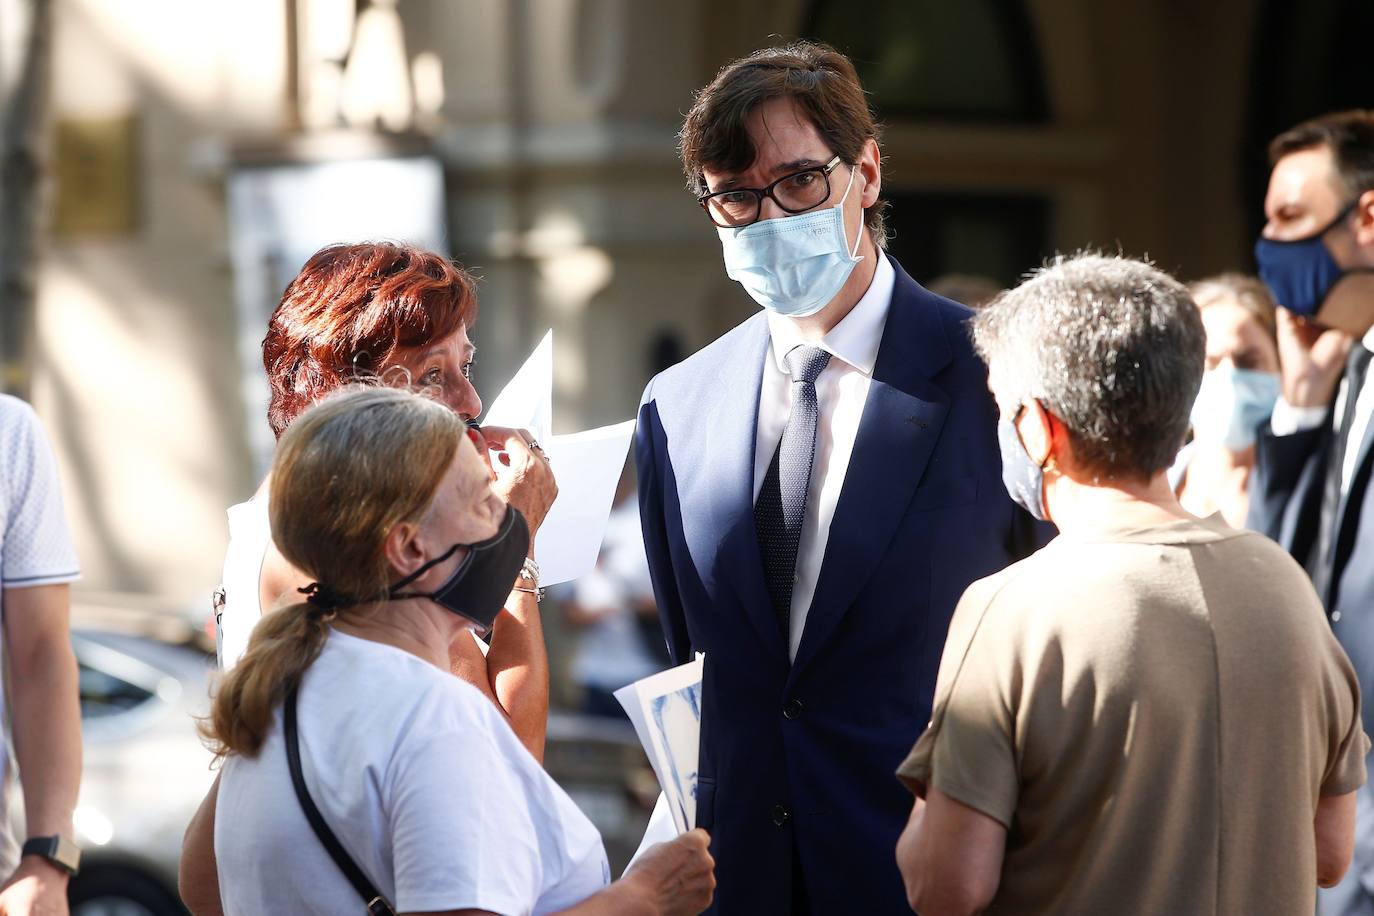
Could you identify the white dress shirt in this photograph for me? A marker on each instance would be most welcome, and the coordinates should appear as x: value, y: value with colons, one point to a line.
x: 1288, y: 419
x: 841, y: 390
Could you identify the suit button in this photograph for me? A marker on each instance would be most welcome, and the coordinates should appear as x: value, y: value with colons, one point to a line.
x: 792, y: 709
x: 781, y: 815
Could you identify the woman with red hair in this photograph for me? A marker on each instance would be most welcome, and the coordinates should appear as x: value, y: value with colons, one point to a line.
x: 391, y: 314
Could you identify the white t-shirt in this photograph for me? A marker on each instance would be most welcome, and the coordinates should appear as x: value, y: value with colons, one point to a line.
x: 250, y: 534
x: 35, y: 543
x: 424, y: 784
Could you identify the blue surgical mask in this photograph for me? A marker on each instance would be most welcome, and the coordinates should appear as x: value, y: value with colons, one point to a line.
x: 1301, y: 272
x: 1023, y: 478
x: 1231, y: 405
x: 793, y: 265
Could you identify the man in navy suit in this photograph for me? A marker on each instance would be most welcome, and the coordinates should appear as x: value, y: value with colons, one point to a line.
x: 1310, y: 490
x: 817, y: 487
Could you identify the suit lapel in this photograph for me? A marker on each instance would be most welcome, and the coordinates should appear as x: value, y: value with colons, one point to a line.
x: 900, y: 425
x: 726, y: 540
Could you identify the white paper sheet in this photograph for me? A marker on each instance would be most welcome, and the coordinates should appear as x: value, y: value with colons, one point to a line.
x: 587, y: 466
x: 665, y: 709
x: 527, y: 400
x: 660, y: 829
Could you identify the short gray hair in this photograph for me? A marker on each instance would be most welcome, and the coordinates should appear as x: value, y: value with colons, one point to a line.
x: 1112, y: 346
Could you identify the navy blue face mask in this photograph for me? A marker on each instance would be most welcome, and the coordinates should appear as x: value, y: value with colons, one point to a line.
x: 1300, y: 273
x: 1023, y: 478
x: 478, y: 588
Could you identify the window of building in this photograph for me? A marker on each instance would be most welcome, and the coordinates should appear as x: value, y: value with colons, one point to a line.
x: 970, y: 60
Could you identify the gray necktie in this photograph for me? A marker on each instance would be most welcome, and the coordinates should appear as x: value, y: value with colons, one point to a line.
x: 1323, y: 562
x: 781, y: 505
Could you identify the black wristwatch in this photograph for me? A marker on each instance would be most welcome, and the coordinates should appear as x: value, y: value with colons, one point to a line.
x: 58, y: 850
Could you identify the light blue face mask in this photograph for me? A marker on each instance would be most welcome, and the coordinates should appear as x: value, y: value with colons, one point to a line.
x: 1231, y: 405
x: 1023, y: 478
x: 793, y: 265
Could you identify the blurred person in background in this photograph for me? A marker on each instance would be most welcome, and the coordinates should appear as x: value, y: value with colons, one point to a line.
x: 1239, y: 387
x: 1310, y: 489
x: 43, y: 715
x: 817, y: 487
x: 972, y: 290
x: 422, y: 781
x: 1150, y: 714
x: 613, y: 606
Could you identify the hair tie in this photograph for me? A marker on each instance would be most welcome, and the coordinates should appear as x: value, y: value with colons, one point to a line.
x: 323, y: 599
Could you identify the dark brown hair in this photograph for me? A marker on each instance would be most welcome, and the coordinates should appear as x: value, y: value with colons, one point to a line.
x: 821, y: 81
x: 1350, y: 137
x: 347, y: 313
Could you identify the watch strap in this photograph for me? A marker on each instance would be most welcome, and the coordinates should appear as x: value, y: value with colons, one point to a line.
x: 58, y: 850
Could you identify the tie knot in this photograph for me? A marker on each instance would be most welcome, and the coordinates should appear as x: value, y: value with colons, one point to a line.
x: 805, y: 363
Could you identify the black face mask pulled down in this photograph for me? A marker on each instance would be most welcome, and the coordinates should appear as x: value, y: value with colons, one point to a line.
x: 477, y: 589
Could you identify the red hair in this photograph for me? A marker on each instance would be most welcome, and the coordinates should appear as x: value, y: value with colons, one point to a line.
x: 349, y: 310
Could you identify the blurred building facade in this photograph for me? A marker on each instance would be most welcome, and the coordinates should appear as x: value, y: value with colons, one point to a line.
x: 1014, y: 129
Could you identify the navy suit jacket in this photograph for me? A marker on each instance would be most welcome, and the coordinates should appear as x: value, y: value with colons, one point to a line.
x: 800, y: 756
x: 1285, y: 504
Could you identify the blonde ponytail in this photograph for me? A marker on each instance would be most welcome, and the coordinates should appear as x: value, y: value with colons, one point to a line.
x: 283, y: 645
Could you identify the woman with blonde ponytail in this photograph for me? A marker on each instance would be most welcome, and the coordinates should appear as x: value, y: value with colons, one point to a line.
x: 382, y: 498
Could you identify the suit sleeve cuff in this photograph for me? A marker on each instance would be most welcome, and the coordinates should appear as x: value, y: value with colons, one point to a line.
x: 1287, y: 419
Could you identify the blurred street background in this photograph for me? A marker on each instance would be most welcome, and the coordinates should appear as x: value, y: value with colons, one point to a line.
x: 167, y: 165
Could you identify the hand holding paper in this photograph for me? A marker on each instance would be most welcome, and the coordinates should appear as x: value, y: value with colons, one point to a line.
x: 523, y: 476
x: 586, y: 466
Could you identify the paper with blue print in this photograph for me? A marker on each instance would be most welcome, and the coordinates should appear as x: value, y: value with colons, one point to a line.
x: 665, y: 709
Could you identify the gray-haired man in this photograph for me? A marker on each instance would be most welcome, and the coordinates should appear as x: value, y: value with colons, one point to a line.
x: 1101, y: 706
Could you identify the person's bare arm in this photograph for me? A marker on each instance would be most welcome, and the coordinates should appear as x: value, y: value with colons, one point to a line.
x: 1334, y: 827
x: 42, y: 674
x: 517, y: 665
x: 519, y: 689
x: 198, y: 872
x: 950, y: 856
x: 518, y: 670
x: 671, y: 879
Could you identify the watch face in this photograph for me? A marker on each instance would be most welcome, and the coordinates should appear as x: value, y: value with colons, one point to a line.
x: 67, y: 854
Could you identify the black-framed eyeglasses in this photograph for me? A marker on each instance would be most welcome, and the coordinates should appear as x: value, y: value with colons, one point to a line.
x: 798, y: 192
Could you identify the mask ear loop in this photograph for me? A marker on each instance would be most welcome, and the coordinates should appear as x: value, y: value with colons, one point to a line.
x: 420, y: 572
x: 858, y: 240
x: 1048, y: 463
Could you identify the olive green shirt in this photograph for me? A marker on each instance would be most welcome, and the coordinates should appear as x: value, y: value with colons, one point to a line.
x: 1152, y: 715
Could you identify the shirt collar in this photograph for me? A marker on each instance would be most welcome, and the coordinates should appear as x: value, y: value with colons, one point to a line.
x: 1368, y: 340
x: 856, y: 338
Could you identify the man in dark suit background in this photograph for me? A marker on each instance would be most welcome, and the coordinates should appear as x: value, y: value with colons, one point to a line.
x: 817, y: 487
x: 1311, y: 488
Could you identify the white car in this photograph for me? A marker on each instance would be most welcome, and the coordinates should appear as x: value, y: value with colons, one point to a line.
x: 145, y: 771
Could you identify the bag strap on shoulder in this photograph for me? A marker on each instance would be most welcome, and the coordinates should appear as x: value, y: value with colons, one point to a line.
x: 376, y: 903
